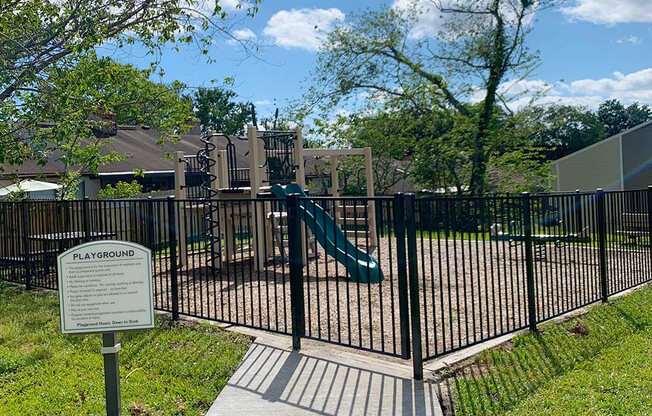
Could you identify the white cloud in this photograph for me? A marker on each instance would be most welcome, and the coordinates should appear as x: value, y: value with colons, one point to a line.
x: 302, y: 28
x: 262, y: 102
x: 627, y: 88
x: 610, y: 11
x: 241, y: 35
x: 229, y: 4
x: 429, y: 20
x: 634, y: 40
x: 636, y: 86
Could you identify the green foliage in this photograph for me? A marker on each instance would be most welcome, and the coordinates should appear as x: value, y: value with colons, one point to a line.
x: 391, y: 135
x: 49, y: 72
x: 121, y: 190
x: 562, y: 130
x: 618, y: 118
x: 376, y: 55
x: 86, y: 99
x: 434, y: 148
x: 218, y: 111
x: 17, y: 195
x: 170, y: 370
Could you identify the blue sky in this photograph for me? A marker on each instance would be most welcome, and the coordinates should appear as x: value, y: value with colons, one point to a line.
x: 600, y: 49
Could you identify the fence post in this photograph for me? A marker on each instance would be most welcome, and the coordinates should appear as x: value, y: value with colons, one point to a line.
x: 26, y: 245
x: 578, y: 211
x: 401, y: 263
x: 150, y: 223
x: 529, y: 263
x: 87, y: 222
x: 649, y: 218
x: 602, y: 243
x: 415, y: 315
x: 173, y: 258
x: 295, y: 253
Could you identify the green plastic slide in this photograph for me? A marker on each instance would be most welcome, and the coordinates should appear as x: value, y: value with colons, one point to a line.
x: 360, y: 266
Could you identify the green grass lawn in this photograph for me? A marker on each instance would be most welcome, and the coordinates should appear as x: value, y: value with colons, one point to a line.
x: 596, y: 364
x: 174, y: 369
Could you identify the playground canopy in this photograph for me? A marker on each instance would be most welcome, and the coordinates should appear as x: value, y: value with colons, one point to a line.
x: 35, y: 189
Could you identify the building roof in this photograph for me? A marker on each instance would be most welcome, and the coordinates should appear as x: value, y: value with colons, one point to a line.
x: 140, y: 146
x: 138, y: 143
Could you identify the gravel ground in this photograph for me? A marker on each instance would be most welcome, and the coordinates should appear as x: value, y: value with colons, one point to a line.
x: 469, y: 291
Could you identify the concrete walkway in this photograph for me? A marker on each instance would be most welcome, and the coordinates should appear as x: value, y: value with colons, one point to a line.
x: 274, y: 380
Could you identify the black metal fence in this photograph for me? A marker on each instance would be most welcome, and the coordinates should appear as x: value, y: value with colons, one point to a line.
x: 445, y: 272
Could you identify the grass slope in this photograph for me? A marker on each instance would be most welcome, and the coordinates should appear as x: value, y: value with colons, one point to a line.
x: 596, y: 364
x: 170, y: 370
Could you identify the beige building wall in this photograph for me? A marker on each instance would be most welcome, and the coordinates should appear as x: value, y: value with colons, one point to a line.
x: 597, y: 166
x: 637, y: 157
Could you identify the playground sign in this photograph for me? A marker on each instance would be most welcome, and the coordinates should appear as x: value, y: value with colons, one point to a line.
x: 106, y: 287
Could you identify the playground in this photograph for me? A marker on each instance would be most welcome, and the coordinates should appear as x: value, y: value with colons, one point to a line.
x: 250, y: 247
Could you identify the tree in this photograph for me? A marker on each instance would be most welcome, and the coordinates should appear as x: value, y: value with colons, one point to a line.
x: 86, y: 99
x: 443, y: 158
x: 388, y: 133
x: 562, y: 130
x: 42, y: 36
x: 121, y: 190
x: 618, y: 118
x: 481, y: 44
x: 218, y: 111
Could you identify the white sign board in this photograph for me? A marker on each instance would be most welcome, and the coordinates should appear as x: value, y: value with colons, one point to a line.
x: 105, y: 286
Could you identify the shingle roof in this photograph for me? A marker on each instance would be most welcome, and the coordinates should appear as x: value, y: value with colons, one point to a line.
x: 138, y: 143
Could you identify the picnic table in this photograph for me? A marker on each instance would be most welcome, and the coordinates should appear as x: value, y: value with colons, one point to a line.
x: 53, y: 245
x: 634, y: 228
x: 56, y: 243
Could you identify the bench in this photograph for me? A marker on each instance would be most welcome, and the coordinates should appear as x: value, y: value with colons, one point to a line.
x: 634, y: 227
x: 539, y: 241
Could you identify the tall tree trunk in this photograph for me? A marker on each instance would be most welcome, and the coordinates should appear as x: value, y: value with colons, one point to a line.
x: 478, y: 178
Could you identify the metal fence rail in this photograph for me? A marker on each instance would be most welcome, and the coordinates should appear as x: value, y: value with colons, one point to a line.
x: 445, y: 272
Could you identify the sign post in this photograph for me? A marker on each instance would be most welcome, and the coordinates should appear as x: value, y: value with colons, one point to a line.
x: 106, y: 287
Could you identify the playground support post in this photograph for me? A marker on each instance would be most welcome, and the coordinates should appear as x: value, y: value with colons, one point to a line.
x: 256, y: 158
x: 369, y: 177
x: 401, y: 262
x: 221, y: 170
x: 296, y: 270
x: 179, y: 195
x: 415, y: 309
x: 172, y: 231
x: 602, y: 243
x: 335, y: 179
x: 529, y: 262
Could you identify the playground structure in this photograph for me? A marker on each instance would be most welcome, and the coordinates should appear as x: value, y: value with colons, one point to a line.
x: 277, y: 161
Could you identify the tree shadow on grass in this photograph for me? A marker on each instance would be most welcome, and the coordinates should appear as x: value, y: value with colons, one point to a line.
x: 497, y: 380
